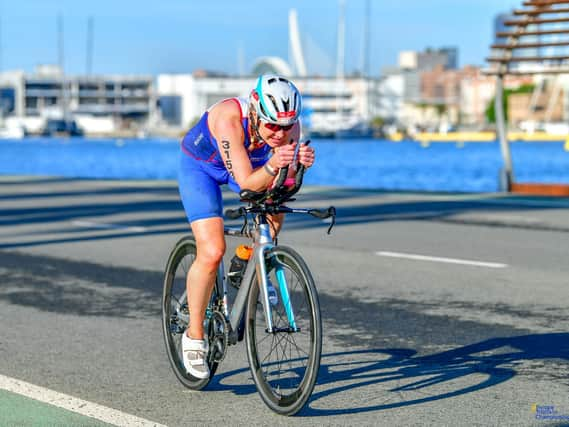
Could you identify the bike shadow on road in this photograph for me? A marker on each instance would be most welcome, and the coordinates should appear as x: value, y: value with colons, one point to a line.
x: 364, y: 381
x: 51, y: 214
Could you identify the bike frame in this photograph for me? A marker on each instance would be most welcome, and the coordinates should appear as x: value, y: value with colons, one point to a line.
x: 262, y: 243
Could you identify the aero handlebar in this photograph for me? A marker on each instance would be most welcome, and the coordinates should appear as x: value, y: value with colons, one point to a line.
x: 271, y: 201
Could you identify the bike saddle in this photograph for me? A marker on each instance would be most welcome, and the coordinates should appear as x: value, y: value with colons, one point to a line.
x: 252, y: 196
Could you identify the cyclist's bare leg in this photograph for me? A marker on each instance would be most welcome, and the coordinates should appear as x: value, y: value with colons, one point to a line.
x: 210, y: 244
x: 276, y: 223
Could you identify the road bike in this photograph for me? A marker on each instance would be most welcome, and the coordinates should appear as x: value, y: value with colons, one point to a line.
x: 276, y: 308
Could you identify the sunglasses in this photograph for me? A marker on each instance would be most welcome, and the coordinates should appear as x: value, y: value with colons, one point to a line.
x: 275, y: 128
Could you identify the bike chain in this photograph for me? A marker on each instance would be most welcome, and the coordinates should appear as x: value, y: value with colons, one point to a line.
x: 216, y: 336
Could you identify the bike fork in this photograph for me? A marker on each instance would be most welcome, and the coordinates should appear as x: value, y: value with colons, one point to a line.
x: 283, y: 287
x: 265, y: 241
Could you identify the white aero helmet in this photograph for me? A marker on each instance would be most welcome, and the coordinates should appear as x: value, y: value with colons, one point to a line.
x: 276, y: 100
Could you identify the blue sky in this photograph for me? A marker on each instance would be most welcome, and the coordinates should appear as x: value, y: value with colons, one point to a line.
x: 179, y: 36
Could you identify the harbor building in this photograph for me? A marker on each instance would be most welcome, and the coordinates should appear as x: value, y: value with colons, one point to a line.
x: 170, y: 103
x: 101, y: 104
x: 397, y: 88
x: 331, y: 106
x: 447, y: 57
x: 417, y: 93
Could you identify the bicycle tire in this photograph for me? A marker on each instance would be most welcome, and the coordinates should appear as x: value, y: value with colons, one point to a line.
x: 285, y: 378
x: 175, y: 315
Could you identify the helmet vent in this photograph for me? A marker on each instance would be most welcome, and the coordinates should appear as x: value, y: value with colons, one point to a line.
x: 262, y: 109
x: 277, y: 99
x: 274, y: 101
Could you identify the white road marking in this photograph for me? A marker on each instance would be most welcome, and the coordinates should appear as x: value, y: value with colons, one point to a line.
x: 441, y: 259
x: 70, y: 403
x: 90, y: 224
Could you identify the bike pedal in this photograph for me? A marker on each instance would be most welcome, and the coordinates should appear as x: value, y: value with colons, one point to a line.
x: 241, y: 329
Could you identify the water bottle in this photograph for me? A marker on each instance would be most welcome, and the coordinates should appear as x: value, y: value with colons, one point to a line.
x: 239, y: 264
x: 272, y: 292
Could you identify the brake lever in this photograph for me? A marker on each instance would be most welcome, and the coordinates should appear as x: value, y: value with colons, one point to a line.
x: 279, y: 193
x: 283, y: 172
x: 332, y: 211
x: 299, y: 175
x: 244, y: 228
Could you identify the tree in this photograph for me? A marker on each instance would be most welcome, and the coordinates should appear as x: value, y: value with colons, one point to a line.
x: 377, y: 122
x: 491, y: 109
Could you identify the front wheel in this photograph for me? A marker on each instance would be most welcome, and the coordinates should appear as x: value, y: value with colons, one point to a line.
x: 284, y: 363
x: 175, y: 313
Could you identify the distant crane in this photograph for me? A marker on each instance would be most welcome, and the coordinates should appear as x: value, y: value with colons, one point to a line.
x: 295, y: 44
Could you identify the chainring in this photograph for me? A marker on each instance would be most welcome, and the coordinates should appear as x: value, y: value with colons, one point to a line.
x: 218, y: 333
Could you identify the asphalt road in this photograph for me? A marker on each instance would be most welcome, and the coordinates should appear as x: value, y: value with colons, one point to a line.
x: 438, y: 309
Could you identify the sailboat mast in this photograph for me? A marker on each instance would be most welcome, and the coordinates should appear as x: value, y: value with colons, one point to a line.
x: 366, y: 53
x: 89, y: 65
x: 365, y: 65
x: 60, y: 41
x: 61, y: 62
x: 340, y: 63
x: 341, y: 49
x: 1, y: 44
x: 240, y: 59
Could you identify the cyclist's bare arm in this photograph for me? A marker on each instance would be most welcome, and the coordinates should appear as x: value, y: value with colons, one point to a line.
x: 225, y: 125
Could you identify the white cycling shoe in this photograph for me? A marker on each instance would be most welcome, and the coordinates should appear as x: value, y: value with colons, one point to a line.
x: 194, y: 356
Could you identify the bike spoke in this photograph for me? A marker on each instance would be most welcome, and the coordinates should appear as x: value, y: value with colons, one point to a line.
x: 285, y: 361
x: 270, y: 353
x: 175, y: 311
x: 298, y: 349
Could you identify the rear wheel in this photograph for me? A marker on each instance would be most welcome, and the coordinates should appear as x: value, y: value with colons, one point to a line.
x: 176, y: 316
x: 285, y: 362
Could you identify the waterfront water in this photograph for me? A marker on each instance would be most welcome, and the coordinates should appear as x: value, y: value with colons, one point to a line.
x: 406, y: 165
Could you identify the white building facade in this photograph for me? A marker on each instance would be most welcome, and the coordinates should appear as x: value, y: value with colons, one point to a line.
x: 100, y: 104
x: 330, y: 105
